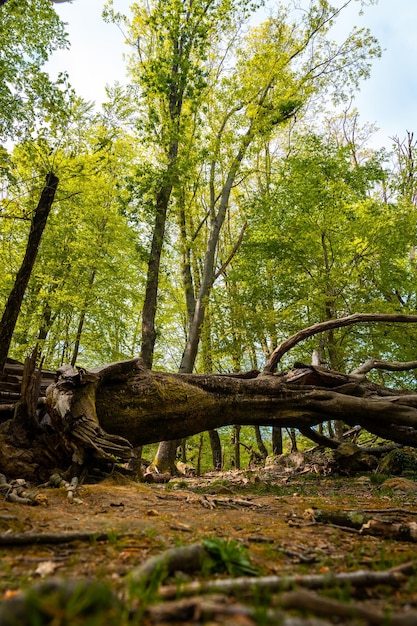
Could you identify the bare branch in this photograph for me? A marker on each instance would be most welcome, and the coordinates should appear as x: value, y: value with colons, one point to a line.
x: 320, y: 327
x: 273, y: 583
x: 391, y: 366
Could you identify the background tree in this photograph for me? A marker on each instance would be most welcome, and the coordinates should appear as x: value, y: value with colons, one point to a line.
x: 30, y: 31
x: 15, y: 299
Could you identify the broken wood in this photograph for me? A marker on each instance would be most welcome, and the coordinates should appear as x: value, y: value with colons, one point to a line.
x: 203, y: 610
x: 100, y: 415
x: 406, y: 531
x: 302, y: 600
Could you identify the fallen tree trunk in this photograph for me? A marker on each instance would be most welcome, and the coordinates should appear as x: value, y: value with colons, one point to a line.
x: 150, y: 406
x: 146, y: 407
x: 101, y: 414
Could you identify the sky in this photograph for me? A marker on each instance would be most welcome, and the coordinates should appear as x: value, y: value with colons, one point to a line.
x: 388, y: 99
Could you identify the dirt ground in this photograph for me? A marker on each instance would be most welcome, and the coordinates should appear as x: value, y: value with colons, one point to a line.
x: 267, y: 511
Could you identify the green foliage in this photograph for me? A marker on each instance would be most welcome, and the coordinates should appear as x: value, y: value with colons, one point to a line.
x: 320, y: 240
x: 229, y: 555
x: 29, y: 32
x: 216, y: 114
x: 86, y: 283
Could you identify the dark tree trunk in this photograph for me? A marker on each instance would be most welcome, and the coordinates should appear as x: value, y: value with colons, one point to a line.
x: 276, y: 440
x: 152, y: 279
x: 261, y: 446
x: 216, y: 449
x: 82, y: 319
x: 293, y: 439
x: 14, y: 302
x: 236, y: 445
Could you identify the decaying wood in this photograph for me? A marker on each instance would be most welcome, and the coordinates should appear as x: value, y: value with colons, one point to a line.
x: 103, y: 413
x: 150, y: 406
x: 390, y: 366
x: 73, y: 411
x: 312, y: 602
x: 100, y: 415
x: 189, y: 558
x: 406, y: 531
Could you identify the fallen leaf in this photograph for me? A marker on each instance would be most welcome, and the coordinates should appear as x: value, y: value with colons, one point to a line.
x: 46, y: 568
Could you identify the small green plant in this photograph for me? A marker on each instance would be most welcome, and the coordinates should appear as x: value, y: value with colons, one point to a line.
x: 229, y: 555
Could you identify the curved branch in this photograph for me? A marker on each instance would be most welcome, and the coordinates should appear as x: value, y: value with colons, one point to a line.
x: 391, y: 366
x: 350, y: 320
x: 318, y: 438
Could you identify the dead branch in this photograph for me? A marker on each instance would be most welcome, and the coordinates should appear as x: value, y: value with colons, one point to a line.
x: 360, y: 578
x: 203, y: 610
x: 350, y: 320
x: 183, y: 558
x: 401, y: 532
x: 391, y: 366
x: 314, y: 603
x: 27, y: 539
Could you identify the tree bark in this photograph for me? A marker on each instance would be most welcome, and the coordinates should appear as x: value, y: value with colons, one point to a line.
x: 152, y: 280
x: 142, y: 407
x: 148, y: 407
x: 261, y: 446
x: 276, y: 440
x: 101, y: 414
x: 14, y: 302
x: 216, y: 449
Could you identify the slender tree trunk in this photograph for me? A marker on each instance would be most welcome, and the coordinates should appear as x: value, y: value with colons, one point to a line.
x: 261, y: 446
x: 152, y: 279
x: 82, y: 319
x: 194, y: 332
x: 236, y: 444
x: 14, y: 302
x: 216, y: 449
x: 293, y: 438
x: 277, y: 440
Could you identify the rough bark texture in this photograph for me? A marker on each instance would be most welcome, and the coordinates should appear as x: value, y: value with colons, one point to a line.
x: 148, y: 407
x: 100, y: 414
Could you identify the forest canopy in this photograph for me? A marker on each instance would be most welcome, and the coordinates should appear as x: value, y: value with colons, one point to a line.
x: 227, y: 196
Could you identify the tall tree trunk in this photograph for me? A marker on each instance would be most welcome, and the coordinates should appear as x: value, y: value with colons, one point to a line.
x: 194, y: 332
x: 152, y: 279
x: 216, y: 449
x: 14, y: 302
x: 82, y: 319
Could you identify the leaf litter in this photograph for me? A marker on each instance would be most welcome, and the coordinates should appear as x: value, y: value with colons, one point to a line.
x: 113, y: 528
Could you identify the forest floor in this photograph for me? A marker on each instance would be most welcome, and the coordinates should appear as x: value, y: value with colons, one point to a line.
x: 269, y: 512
